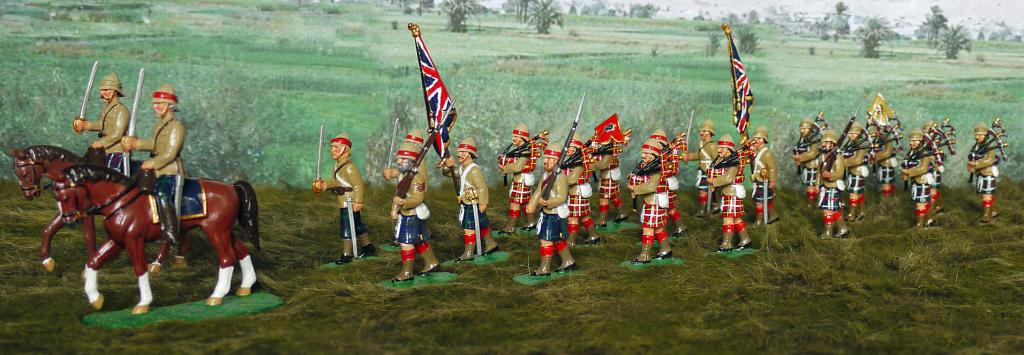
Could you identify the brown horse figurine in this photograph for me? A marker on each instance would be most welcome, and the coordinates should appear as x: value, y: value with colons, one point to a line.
x: 127, y: 217
x: 34, y: 163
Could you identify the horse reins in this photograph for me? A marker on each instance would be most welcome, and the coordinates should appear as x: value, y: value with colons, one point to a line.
x: 96, y: 209
x: 35, y: 184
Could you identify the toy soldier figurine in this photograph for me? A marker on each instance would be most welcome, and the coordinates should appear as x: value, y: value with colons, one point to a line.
x: 983, y: 164
x: 472, y: 200
x: 111, y: 126
x: 929, y: 129
x: 764, y: 174
x: 519, y: 160
x: 412, y: 233
x: 606, y: 166
x: 706, y: 153
x: 830, y: 185
x: 348, y: 185
x: 855, y: 158
x: 415, y: 137
x: 725, y: 175
x: 805, y: 154
x: 163, y: 174
x: 577, y: 171
x: 885, y: 161
x: 669, y: 169
x: 644, y: 184
x: 551, y: 229
x: 917, y: 168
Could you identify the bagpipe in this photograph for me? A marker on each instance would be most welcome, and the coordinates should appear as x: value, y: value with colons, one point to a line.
x: 595, y: 151
x: 530, y: 149
x: 830, y: 157
x: 886, y: 130
x: 929, y: 148
x: 993, y: 140
x: 943, y: 136
x: 813, y: 137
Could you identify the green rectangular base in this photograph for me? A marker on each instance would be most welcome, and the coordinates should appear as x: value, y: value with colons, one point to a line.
x: 495, y: 257
x: 434, y: 278
x: 736, y: 254
x: 530, y: 280
x: 612, y: 226
x: 332, y: 265
x: 390, y: 247
x: 664, y: 262
x: 233, y: 306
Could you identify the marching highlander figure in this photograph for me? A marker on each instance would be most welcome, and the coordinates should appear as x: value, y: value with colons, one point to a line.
x: 606, y: 166
x: 112, y: 125
x: 472, y: 200
x: 885, y: 161
x: 669, y: 183
x: 724, y: 175
x: 577, y: 172
x: 806, y: 157
x: 855, y: 158
x: 551, y: 228
x: 706, y: 153
x: 416, y: 138
x: 520, y: 163
x: 929, y: 129
x: 984, y: 164
x: 163, y: 174
x: 412, y: 233
x: 918, y: 168
x: 830, y: 183
x: 652, y: 215
x: 348, y: 185
x: 764, y: 174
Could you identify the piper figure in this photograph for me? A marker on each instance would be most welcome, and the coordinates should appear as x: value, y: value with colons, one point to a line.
x: 726, y: 176
x: 669, y: 169
x: 577, y: 171
x: 348, y: 185
x: 551, y: 227
x: 806, y: 156
x: 855, y: 158
x: 606, y: 166
x: 984, y: 164
x: 473, y: 198
x: 644, y: 185
x: 929, y: 129
x: 918, y: 169
x: 520, y: 162
x: 830, y: 185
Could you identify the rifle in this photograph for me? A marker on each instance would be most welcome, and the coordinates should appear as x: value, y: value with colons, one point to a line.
x: 830, y: 157
x: 402, y: 189
x: 549, y: 181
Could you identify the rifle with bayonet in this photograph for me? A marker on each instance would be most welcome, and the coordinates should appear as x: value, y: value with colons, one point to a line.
x: 832, y: 155
x: 549, y: 180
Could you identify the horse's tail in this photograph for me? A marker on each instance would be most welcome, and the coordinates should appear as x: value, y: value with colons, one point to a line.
x: 248, y: 212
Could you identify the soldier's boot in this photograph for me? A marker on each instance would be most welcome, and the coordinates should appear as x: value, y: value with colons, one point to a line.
x: 168, y: 220
x: 531, y: 223
x: 592, y: 236
x: 701, y: 212
x: 646, y: 243
x: 568, y: 263
x: 665, y: 250
x: 602, y: 216
x: 405, y: 274
x: 572, y: 237
x: 366, y: 247
x: 841, y: 230
x: 513, y: 218
x: 745, y: 241
x: 986, y: 215
x: 546, y: 253
x: 860, y: 210
x: 727, y: 232
x: 995, y: 211
x: 937, y: 203
x: 622, y: 216
x: 852, y: 215
x: 920, y: 220
x: 469, y: 247
x: 826, y: 232
x: 430, y: 262
x: 346, y: 253
x: 490, y: 245
x: 772, y: 216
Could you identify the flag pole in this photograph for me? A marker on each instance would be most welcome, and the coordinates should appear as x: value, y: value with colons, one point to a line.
x: 415, y: 29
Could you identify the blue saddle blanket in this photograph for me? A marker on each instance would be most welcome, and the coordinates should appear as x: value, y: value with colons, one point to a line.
x: 193, y: 197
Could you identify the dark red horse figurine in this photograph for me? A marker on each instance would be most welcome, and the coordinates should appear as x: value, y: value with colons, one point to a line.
x: 127, y: 217
x: 34, y: 163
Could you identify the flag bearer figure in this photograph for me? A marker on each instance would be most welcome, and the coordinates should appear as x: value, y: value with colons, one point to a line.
x: 669, y: 182
x: 806, y: 157
x: 830, y: 186
x: 706, y: 153
x: 855, y: 158
x: 984, y: 163
x: 521, y: 168
x: 727, y: 178
x: 411, y: 232
x: 652, y: 215
x: 472, y: 194
x: 350, y: 181
x: 918, y: 168
x: 551, y: 228
x: 765, y: 172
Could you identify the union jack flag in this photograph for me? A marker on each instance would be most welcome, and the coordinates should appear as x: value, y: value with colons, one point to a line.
x: 742, y: 97
x: 436, y: 98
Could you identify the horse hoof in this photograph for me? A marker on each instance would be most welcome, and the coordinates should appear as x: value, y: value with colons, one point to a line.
x: 214, y: 301
x: 180, y: 261
x: 98, y: 303
x: 140, y: 309
x: 49, y: 264
x: 244, y: 291
x: 154, y: 268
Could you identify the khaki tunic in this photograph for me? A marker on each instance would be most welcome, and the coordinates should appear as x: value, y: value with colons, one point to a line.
x: 417, y: 192
x: 165, y: 146
x: 917, y: 173
x: 573, y: 179
x: 708, y: 151
x: 809, y: 159
x: 764, y: 166
x: 727, y: 180
x: 882, y: 156
x: 516, y: 168
x: 559, y: 194
x: 854, y: 161
x: 838, y: 170
x: 985, y: 166
x: 648, y: 189
x: 346, y: 174
x: 474, y: 180
x: 112, y: 125
x: 603, y: 165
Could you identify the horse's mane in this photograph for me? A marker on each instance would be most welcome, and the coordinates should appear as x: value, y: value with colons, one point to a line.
x: 49, y: 152
x: 95, y: 173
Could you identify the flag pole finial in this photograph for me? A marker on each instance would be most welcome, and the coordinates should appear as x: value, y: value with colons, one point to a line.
x: 726, y: 28
x: 415, y: 29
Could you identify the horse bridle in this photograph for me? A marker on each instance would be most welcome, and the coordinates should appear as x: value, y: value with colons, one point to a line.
x: 95, y: 209
x: 36, y: 177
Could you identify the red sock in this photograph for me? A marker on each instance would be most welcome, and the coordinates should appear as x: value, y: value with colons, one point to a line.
x: 513, y: 214
x: 647, y: 239
x: 727, y: 228
x: 422, y: 247
x: 573, y: 228
x: 660, y: 235
x: 812, y: 195
x: 760, y: 208
x: 469, y: 238
x: 485, y: 231
x: 588, y: 223
x: 617, y: 202
x: 771, y: 205
x: 674, y: 214
x: 887, y: 190
x: 988, y: 203
x: 860, y: 200
x: 561, y: 245
x: 702, y: 198
x: 740, y: 226
x: 408, y: 254
x: 936, y: 194
x: 547, y: 250
x: 604, y: 208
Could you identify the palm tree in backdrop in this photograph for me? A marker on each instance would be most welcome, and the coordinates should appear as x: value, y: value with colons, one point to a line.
x: 459, y: 12
x: 873, y: 34
x: 954, y: 40
x: 545, y: 13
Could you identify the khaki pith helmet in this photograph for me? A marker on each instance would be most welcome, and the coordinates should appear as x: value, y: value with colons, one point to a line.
x: 806, y: 123
x: 341, y: 139
x: 112, y: 82
x: 165, y: 95
x: 916, y: 134
x: 576, y: 142
x: 709, y: 126
x: 727, y: 143
x: 761, y: 132
x: 468, y: 145
x: 407, y: 150
x: 829, y: 136
x: 980, y: 128
x: 928, y: 125
x: 553, y: 150
x: 521, y: 131
x: 659, y: 135
x: 856, y: 127
x: 651, y: 146
x: 415, y: 136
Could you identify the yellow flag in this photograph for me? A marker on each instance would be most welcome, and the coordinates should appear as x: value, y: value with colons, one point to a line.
x: 880, y: 111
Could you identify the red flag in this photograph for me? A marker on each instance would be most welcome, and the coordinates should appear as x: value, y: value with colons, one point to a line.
x: 609, y: 130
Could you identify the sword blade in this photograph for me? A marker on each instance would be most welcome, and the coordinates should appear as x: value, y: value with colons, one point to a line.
x: 688, y: 127
x: 352, y: 228
x: 319, y: 151
x: 391, y: 151
x: 88, y: 88
x: 135, y: 102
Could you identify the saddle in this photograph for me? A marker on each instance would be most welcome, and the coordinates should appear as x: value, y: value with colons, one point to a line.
x: 193, y: 198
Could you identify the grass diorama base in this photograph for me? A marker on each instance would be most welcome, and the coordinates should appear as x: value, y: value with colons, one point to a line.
x: 197, y: 311
x: 434, y: 278
x: 530, y: 280
x: 389, y: 247
x: 629, y: 264
x: 735, y: 253
x: 671, y: 240
x: 492, y: 258
x: 617, y: 226
x: 332, y: 265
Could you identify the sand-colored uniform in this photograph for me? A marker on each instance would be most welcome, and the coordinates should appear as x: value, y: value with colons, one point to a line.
x: 165, y: 146
x: 552, y: 226
x: 111, y: 126
x: 830, y: 193
x: 707, y: 152
x: 346, y: 174
x: 808, y: 160
x: 765, y: 171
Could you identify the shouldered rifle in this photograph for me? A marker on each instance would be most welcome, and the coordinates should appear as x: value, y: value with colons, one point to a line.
x: 830, y: 157
x: 402, y: 189
x: 549, y: 181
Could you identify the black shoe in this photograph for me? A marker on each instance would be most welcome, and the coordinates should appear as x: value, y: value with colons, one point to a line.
x: 534, y: 273
x: 367, y: 250
x: 492, y: 250
x: 621, y: 218
x: 397, y: 281
x: 344, y: 259
x: 666, y: 256
x: 745, y: 246
x: 638, y: 262
x: 591, y: 241
x: 680, y: 232
x: 428, y: 272
x: 530, y: 228
x: 723, y: 250
x: 603, y: 225
x: 570, y: 267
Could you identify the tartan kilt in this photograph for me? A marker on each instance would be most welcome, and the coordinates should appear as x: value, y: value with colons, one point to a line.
x: 810, y: 176
x: 886, y: 175
x: 608, y: 189
x: 671, y: 199
x: 938, y: 178
x: 467, y: 218
x: 551, y: 228
x: 829, y: 199
x: 346, y: 230
x: 411, y: 230
x: 985, y: 184
x: 920, y: 193
x: 758, y: 193
x: 855, y: 184
x: 732, y: 207
x: 652, y: 216
x: 702, y: 180
x: 519, y: 193
x: 578, y: 206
